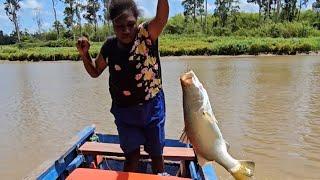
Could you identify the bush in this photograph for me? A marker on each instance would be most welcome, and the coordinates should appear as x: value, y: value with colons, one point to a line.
x: 174, y: 45
x: 221, y: 31
x: 59, y: 43
x: 67, y: 34
x: 303, y: 48
x: 51, y: 36
x: 174, y: 29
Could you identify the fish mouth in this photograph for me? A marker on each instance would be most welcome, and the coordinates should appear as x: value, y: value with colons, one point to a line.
x: 187, y: 78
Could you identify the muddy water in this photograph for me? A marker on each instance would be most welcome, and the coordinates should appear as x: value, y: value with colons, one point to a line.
x: 268, y: 109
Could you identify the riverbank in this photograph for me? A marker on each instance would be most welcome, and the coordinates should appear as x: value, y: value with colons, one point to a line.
x: 190, y: 57
x: 174, y: 45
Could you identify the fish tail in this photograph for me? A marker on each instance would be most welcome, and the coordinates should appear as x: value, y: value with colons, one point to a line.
x: 244, y: 170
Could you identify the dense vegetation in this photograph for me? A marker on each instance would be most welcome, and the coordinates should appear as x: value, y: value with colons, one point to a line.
x: 280, y: 27
x: 175, y: 45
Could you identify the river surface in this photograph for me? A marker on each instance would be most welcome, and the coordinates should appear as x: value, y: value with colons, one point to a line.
x: 268, y: 108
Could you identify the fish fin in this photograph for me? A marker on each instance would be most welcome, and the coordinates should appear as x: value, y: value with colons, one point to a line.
x: 201, y: 160
x: 182, y: 172
x: 209, y: 116
x: 244, y: 170
x: 184, y: 138
x: 227, y: 145
x: 187, y: 68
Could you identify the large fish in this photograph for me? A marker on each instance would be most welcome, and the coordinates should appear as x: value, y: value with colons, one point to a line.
x: 202, y: 131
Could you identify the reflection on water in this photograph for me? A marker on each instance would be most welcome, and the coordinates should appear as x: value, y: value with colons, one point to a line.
x: 268, y: 109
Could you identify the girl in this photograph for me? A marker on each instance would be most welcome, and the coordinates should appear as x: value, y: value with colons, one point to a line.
x: 135, y: 83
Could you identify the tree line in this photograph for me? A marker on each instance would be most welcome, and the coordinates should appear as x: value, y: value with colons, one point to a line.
x: 226, y: 19
x: 74, y: 12
x: 228, y: 10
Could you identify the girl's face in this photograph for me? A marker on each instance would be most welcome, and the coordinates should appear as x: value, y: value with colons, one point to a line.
x: 125, y: 27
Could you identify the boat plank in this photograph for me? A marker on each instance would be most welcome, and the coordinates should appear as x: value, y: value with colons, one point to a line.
x: 110, y: 149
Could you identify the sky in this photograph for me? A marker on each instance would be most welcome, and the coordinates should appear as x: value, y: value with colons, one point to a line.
x: 148, y: 7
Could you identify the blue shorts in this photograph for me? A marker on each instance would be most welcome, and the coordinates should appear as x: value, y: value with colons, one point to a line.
x: 142, y: 124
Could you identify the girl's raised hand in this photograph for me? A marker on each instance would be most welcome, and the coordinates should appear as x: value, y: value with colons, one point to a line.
x: 83, y: 45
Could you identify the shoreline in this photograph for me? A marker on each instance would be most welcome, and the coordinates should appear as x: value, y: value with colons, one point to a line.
x: 315, y: 53
x: 177, y: 46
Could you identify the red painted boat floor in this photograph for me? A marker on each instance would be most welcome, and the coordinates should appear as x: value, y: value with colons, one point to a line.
x: 98, y: 174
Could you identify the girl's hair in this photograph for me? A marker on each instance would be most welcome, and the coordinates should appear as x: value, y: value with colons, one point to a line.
x: 117, y: 7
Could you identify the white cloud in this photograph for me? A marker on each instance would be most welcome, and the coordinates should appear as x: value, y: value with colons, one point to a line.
x: 248, y: 7
x: 146, y: 3
x: 148, y: 7
x: 32, y: 29
x: 211, y: 6
x: 60, y: 13
x: 244, y: 6
x: 83, y: 1
x: 47, y: 13
x: 309, y: 5
x: 46, y: 25
x: 31, y: 4
x: 145, y: 12
x: 3, y: 17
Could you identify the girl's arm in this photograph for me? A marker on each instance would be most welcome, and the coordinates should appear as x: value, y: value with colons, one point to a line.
x: 157, y: 24
x: 95, y: 68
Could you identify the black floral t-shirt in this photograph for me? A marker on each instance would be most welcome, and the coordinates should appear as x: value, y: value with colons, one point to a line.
x: 135, y: 71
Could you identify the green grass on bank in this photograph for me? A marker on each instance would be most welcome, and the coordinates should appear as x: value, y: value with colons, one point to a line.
x: 171, y: 45
x: 195, y: 45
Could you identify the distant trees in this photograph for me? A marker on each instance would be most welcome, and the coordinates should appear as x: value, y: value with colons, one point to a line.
x: 5, y: 39
x: 78, y: 10
x: 302, y: 3
x: 105, y: 11
x: 284, y: 10
x: 12, y: 7
x: 316, y: 7
x: 226, y: 12
x: 38, y: 18
x: 226, y: 8
x: 193, y: 9
x: 69, y: 12
x: 56, y: 23
x: 206, y: 15
x: 91, y: 15
x: 289, y: 10
x: 276, y: 18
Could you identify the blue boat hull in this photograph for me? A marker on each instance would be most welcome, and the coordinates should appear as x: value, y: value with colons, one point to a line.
x: 61, y: 167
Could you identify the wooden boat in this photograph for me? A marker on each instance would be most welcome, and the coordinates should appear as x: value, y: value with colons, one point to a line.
x: 92, y: 155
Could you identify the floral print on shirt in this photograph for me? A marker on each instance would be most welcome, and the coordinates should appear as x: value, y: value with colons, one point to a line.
x: 147, y: 74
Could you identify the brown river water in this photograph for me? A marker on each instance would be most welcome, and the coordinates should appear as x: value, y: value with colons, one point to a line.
x: 268, y: 108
